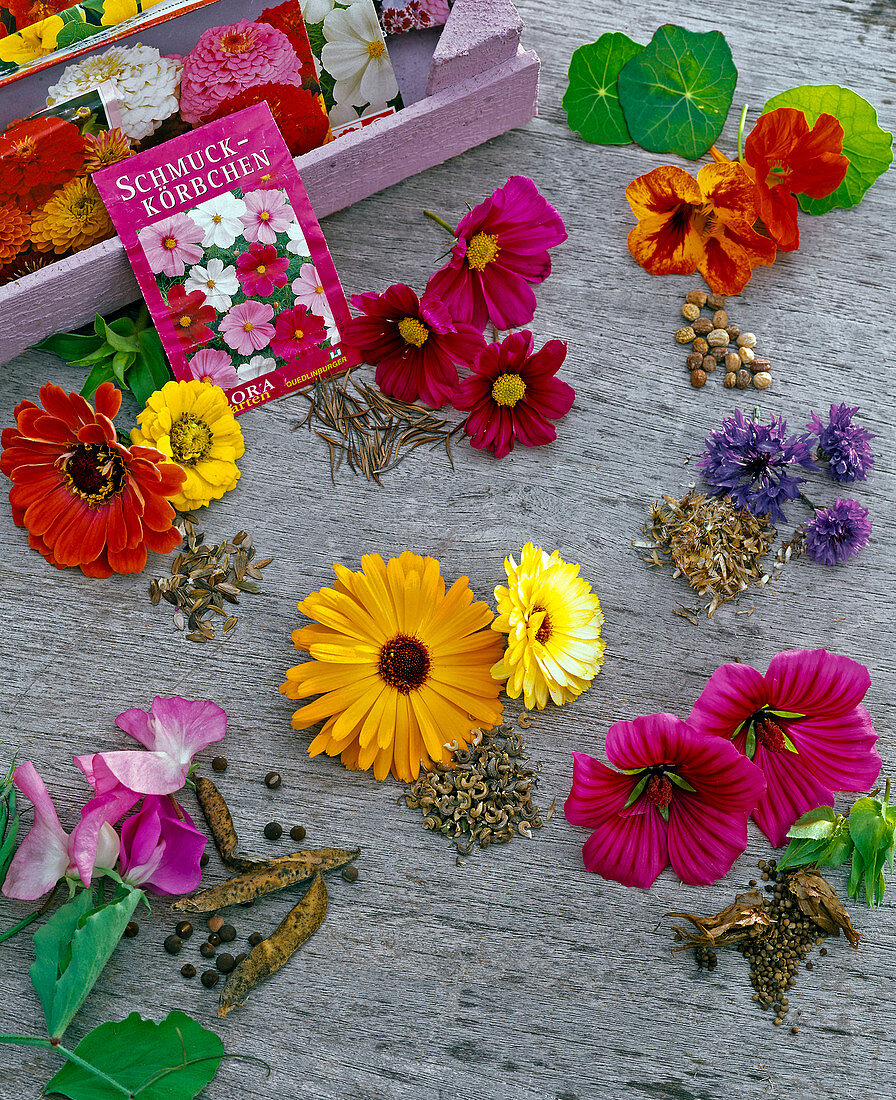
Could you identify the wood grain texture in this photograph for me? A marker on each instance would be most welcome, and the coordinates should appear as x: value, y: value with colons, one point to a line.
x: 517, y: 976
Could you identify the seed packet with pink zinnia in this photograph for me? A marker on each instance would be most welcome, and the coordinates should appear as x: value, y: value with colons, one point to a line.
x: 231, y: 259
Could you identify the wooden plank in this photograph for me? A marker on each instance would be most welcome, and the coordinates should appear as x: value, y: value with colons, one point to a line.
x: 479, y: 34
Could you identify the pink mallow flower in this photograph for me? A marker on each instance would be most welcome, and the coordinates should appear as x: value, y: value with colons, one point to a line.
x: 173, y: 731
x: 259, y: 269
x: 267, y: 214
x: 247, y: 327
x: 171, y: 244
x: 48, y: 853
x: 683, y: 799
x: 502, y: 248
x: 161, y: 847
x: 298, y: 331
x: 802, y: 723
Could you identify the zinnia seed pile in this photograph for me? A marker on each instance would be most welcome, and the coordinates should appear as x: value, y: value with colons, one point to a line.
x: 717, y: 342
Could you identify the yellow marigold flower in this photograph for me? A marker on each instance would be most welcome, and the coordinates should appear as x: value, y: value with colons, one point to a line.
x: 74, y: 218
x: 192, y: 424
x: 552, y: 620
x: 402, y: 667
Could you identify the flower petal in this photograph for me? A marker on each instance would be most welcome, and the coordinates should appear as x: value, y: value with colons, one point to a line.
x: 631, y: 850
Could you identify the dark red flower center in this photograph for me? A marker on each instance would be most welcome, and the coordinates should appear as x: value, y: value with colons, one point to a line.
x: 769, y: 734
x: 95, y: 473
x: 404, y: 663
x: 544, y: 631
x: 658, y: 790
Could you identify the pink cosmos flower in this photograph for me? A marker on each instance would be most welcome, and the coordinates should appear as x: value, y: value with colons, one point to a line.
x: 683, y: 799
x: 48, y: 853
x: 414, y: 345
x: 161, y: 847
x: 309, y: 291
x: 173, y: 731
x: 298, y: 331
x: 171, y: 244
x: 502, y: 248
x: 228, y: 60
x: 267, y: 214
x: 801, y: 723
x: 247, y: 327
x: 214, y: 365
x: 259, y: 270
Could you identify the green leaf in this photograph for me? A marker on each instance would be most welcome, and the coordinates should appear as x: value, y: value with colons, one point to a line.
x: 153, y: 354
x: 869, y: 148
x: 102, y: 354
x: 71, y: 950
x: 787, y: 713
x: 102, y: 372
x: 592, y: 101
x: 800, y: 851
x: 172, y: 1060
x: 140, y: 380
x: 839, y: 849
x: 637, y: 791
x: 856, y: 874
x: 675, y: 94
x: 818, y: 823
x: 750, y: 743
x: 869, y: 828
x: 124, y: 326
x: 678, y: 781
x: 69, y: 345
x: 120, y: 343
x: 120, y: 363
x: 9, y: 827
x: 75, y: 31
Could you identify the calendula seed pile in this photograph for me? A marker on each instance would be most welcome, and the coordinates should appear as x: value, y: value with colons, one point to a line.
x: 718, y: 343
x: 204, y: 578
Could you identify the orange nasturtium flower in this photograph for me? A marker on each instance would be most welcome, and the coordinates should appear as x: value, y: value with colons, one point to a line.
x: 786, y: 158
x: 686, y: 224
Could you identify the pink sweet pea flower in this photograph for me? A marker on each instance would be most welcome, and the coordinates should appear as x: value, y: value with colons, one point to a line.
x: 48, y: 853
x: 161, y: 848
x: 173, y: 731
x: 247, y: 327
x: 683, y: 799
x: 171, y: 244
x: 801, y: 723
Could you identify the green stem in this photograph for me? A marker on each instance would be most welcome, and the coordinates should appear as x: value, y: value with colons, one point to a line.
x: 48, y: 1044
x: 887, y: 794
x: 814, y: 507
x: 441, y: 222
x: 740, y: 132
x: 16, y: 928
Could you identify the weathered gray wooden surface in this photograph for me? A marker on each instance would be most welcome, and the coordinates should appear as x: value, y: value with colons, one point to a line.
x: 517, y: 976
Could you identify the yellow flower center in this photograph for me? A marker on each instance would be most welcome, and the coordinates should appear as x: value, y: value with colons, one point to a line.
x: 216, y: 218
x: 265, y: 215
x: 298, y: 334
x: 375, y: 49
x: 185, y: 322
x: 318, y: 289
x: 508, y: 389
x: 237, y: 42
x: 210, y: 283
x: 248, y: 326
x: 404, y: 664
x: 191, y: 440
x: 481, y: 251
x: 169, y: 242
x: 260, y: 269
x: 413, y: 331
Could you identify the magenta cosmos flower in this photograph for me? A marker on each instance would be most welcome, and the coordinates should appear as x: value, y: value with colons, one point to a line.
x: 414, y: 344
x: 247, y: 327
x: 502, y: 248
x: 513, y: 395
x: 683, y: 799
x: 161, y: 847
x: 801, y: 723
x: 298, y: 330
x: 267, y: 214
x: 259, y: 269
x: 171, y: 244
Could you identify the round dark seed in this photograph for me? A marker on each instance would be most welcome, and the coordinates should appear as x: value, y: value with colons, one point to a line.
x: 272, y: 780
x: 297, y: 832
x: 214, y: 939
x: 173, y: 944
x: 225, y: 962
x: 273, y: 830
x: 210, y: 978
x: 794, y: 1030
x: 188, y: 970
x: 823, y: 951
x: 207, y: 950
x: 239, y: 958
x: 203, y: 859
x: 131, y: 929
x: 227, y: 933
x: 184, y: 929
x: 808, y: 966
x: 219, y: 764
x: 350, y: 873
x: 256, y: 938
x: 215, y: 922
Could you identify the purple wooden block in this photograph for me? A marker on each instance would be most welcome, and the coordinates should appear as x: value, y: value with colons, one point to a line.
x: 481, y: 84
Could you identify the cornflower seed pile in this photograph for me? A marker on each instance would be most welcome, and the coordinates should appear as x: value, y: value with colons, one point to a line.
x: 717, y: 342
x: 485, y: 798
x: 205, y: 578
x: 714, y: 544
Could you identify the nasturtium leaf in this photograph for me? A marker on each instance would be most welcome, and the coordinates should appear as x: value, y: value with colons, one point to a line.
x: 675, y: 94
x: 868, y: 147
x: 173, y: 1060
x: 75, y: 31
x: 817, y: 823
x: 591, y: 101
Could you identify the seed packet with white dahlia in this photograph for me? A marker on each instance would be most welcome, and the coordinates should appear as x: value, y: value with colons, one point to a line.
x: 231, y: 259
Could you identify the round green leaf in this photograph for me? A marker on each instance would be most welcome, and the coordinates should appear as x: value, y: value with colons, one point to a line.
x: 675, y: 94
x: 591, y: 101
x: 869, y: 148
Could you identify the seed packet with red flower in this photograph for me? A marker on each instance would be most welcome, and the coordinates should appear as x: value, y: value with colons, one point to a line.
x: 231, y: 259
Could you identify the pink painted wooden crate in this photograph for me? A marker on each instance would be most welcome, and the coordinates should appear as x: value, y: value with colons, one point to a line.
x: 481, y: 82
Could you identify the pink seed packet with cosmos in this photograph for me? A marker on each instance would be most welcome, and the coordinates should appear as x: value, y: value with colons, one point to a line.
x: 231, y: 259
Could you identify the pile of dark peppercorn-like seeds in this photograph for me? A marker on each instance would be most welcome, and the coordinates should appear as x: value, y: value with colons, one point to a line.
x: 485, y: 798
x: 717, y: 342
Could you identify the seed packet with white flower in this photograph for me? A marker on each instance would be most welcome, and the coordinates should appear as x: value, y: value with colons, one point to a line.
x: 231, y: 259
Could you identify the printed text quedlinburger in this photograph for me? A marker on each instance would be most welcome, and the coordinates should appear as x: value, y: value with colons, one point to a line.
x: 218, y: 164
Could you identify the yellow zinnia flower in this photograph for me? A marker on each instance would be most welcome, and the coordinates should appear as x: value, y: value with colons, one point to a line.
x: 192, y: 424
x: 403, y: 666
x: 74, y: 218
x: 552, y: 620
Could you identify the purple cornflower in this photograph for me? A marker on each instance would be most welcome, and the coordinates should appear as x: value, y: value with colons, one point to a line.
x: 837, y: 532
x: 749, y: 461
x: 844, y: 445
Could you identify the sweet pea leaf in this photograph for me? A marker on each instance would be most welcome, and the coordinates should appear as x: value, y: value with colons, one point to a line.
x: 173, y: 1060
x: 868, y: 147
x: 817, y: 823
x: 591, y: 101
x: 675, y: 94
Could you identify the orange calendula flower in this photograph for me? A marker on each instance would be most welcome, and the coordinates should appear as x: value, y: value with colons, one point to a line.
x: 786, y: 158
x: 74, y: 218
x: 706, y: 224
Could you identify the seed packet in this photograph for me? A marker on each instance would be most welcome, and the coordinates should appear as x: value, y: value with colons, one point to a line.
x: 401, y: 16
x: 231, y: 259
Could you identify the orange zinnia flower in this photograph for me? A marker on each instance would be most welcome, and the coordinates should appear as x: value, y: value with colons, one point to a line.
x: 705, y: 224
x: 84, y: 498
x: 786, y: 158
